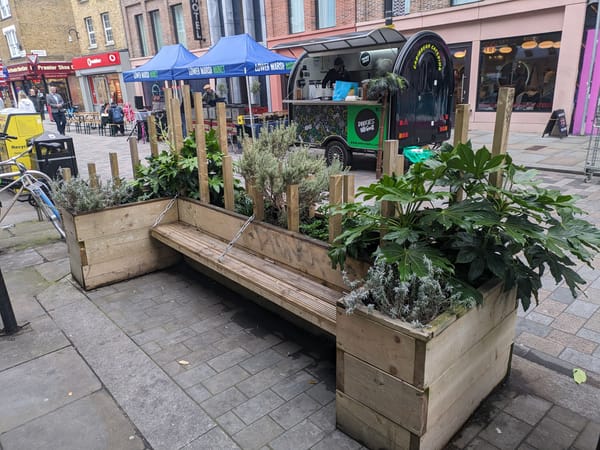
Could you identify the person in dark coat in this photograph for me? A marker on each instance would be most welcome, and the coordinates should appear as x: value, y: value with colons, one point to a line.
x: 338, y: 73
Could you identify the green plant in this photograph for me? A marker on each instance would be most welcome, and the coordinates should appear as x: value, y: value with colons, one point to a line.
x: 417, y: 299
x: 271, y: 162
x: 387, y: 83
x: 255, y: 87
x: 171, y: 172
x: 515, y: 232
x: 77, y: 196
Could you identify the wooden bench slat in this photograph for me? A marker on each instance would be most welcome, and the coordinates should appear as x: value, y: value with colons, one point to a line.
x: 275, y: 283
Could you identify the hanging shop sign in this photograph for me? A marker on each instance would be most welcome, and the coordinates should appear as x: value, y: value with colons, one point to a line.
x: 196, y: 24
x: 98, y: 60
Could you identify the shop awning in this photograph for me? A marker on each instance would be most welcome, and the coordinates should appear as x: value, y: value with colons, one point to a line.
x: 380, y: 37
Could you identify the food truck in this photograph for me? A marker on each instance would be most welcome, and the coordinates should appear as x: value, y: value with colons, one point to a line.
x: 418, y: 115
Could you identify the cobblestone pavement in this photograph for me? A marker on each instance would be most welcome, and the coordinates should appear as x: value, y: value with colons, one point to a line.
x: 173, y: 360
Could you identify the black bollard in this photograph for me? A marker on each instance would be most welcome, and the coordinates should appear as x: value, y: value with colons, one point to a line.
x: 6, y: 311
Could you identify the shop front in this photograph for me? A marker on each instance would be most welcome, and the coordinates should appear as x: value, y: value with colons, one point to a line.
x: 100, y: 79
x: 521, y: 46
x: 40, y: 76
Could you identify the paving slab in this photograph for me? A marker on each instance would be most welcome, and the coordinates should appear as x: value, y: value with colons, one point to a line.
x: 166, y: 416
x: 94, y: 422
x: 42, y: 385
x: 39, y: 338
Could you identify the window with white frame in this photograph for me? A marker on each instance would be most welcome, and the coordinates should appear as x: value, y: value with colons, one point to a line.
x: 142, y: 36
x: 179, y: 24
x: 296, y: 16
x: 157, y: 35
x: 4, y: 9
x: 108, y: 34
x: 13, y: 43
x: 89, y: 26
x: 326, y: 13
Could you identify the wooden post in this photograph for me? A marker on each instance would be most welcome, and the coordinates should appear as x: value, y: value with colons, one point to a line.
x: 461, y: 127
x: 390, y: 153
x: 187, y: 108
x: 400, y: 165
x: 152, y: 137
x: 66, y: 173
x: 381, y: 137
x: 135, y: 156
x: 293, y: 207
x: 176, y: 130
x: 222, y: 127
x: 335, y: 198
x: 201, y: 149
x: 169, y: 109
x: 114, y: 168
x: 228, y: 182
x: 258, y: 202
x: 461, y: 135
x: 93, y: 177
x: 348, y: 188
x: 504, y: 107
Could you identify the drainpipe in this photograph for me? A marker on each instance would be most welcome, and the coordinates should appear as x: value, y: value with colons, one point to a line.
x: 591, y: 73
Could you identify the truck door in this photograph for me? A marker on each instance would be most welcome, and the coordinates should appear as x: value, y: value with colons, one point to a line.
x: 422, y: 111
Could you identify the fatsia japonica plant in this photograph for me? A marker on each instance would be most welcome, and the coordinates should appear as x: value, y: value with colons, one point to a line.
x: 453, y: 216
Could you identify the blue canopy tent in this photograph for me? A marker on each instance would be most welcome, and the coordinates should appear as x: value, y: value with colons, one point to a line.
x: 236, y: 56
x: 161, y: 66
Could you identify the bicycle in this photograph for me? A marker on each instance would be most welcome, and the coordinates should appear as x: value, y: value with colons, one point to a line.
x: 28, y: 185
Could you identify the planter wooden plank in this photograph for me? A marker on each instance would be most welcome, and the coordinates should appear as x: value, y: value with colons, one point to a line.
x: 471, y: 372
x: 251, y: 275
x: 294, y: 250
x: 114, y: 244
x: 457, y: 340
x: 385, y: 394
x: 120, y: 219
x: 127, y: 267
x: 367, y: 426
x: 377, y: 344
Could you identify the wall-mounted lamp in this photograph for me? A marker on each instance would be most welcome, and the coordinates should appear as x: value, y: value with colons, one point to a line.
x: 69, y: 31
x: 546, y: 44
x: 460, y: 54
x: 505, y: 49
x: 528, y: 45
x: 489, y: 50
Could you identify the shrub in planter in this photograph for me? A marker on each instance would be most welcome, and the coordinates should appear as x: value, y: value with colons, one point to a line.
x: 272, y: 162
x: 413, y: 360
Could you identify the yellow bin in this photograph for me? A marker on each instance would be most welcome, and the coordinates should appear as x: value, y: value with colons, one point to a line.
x: 23, y: 126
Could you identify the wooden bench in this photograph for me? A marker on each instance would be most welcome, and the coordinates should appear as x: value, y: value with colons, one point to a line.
x: 288, y: 269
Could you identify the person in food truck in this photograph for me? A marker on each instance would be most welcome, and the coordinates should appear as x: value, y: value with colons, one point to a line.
x: 337, y: 73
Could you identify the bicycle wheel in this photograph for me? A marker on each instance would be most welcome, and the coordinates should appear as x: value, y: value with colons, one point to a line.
x: 36, y: 185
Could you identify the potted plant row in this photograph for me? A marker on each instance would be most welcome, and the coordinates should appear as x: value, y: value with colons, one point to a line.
x: 428, y: 333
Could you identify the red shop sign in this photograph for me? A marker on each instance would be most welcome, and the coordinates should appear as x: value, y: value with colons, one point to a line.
x: 99, y: 60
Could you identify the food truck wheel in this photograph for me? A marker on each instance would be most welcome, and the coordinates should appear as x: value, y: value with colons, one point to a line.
x: 337, y: 150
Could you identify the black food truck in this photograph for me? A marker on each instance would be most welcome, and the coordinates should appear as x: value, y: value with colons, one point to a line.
x: 416, y: 116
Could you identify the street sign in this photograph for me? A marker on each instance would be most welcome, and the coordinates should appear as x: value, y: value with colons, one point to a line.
x: 33, y: 58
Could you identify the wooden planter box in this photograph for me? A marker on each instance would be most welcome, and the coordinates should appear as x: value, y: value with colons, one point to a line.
x: 115, y: 244
x: 399, y: 387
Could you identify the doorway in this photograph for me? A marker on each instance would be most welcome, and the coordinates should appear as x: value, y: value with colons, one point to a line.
x: 461, y: 59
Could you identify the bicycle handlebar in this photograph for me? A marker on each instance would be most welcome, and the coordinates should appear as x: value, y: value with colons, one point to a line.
x: 4, y: 136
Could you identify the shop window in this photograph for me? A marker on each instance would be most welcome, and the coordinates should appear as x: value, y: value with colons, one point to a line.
x: 4, y: 9
x: 296, y: 8
x: 13, y: 43
x: 325, y: 13
x: 462, y: 2
x: 527, y: 63
x: 89, y: 27
x: 179, y: 24
x: 156, y: 29
x: 142, y: 36
x: 108, y: 34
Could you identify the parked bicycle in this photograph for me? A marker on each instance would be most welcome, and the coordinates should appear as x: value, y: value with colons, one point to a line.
x: 27, y: 185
